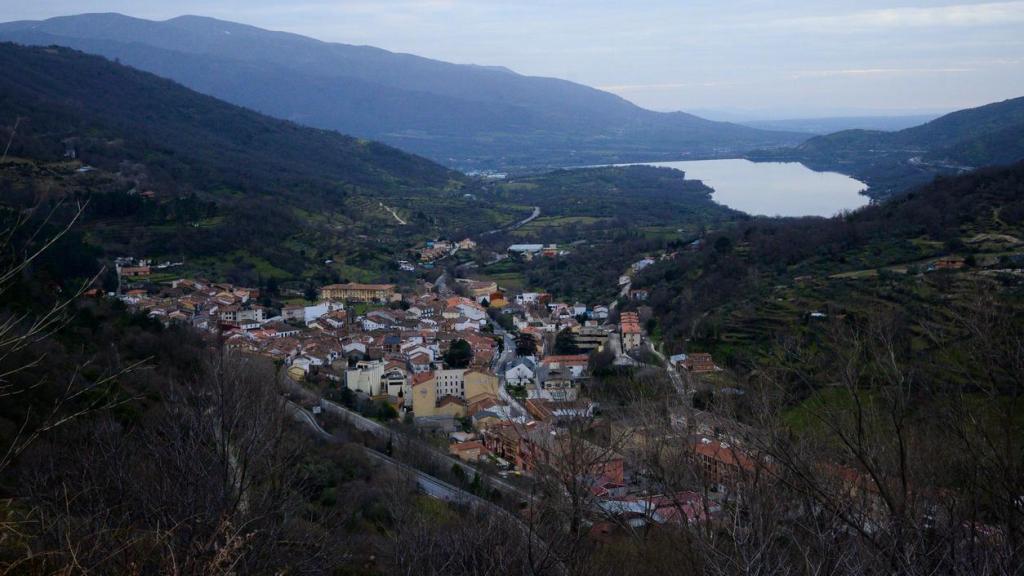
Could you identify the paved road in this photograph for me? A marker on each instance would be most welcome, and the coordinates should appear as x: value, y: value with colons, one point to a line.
x: 520, y: 224
x: 673, y: 374
x: 364, y: 424
x: 431, y: 486
x: 304, y: 417
x: 434, y: 487
x: 507, y: 355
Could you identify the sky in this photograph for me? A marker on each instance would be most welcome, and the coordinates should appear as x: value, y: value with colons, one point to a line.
x: 734, y: 59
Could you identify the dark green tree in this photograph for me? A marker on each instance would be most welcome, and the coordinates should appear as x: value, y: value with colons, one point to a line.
x: 526, y: 344
x: 459, y: 354
x: 565, y: 343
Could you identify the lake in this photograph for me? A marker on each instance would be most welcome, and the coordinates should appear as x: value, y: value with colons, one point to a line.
x: 774, y: 188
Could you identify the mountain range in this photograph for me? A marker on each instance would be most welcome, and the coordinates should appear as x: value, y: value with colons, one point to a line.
x: 463, y: 116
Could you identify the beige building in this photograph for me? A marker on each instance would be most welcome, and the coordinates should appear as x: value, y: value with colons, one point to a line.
x: 479, y: 385
x: 479, y: 289
x: 591, y: 338
x: 359, y: 292
x: 428, y: 402
x: 447, y: 393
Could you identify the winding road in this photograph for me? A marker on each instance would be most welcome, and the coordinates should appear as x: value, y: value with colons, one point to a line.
x: 363, y: 424
x: 520, y: 224
x: 431, y: 486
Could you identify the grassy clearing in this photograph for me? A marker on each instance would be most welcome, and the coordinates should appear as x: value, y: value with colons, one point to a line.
x: 512, y: 281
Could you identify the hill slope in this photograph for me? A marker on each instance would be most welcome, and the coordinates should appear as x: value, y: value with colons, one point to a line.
x: 893, y: 161
x: 65, y: 94
x: 754, y: 283
x: 227, y: 184
x: 464, y: 116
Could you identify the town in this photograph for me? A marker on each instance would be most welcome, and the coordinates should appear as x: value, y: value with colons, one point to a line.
x: 503, y: 386
x: 499, y: 376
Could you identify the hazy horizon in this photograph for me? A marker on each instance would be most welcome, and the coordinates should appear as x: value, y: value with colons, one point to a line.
x: 752, y: 58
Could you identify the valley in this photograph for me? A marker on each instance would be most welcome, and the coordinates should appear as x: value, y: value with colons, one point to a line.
x: 272, y: 305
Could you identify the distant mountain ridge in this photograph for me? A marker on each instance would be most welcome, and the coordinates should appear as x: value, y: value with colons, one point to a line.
x: 937, y: 139
x: 891, y: 162
x: 829, y: 125
x: 465, y: 116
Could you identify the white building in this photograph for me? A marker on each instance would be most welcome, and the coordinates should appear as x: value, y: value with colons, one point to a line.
x: 366, y: 378
x: 520, y: 372
x: 526, y: 248
x: 638, y: 266
x: 471, y: 312
x: 527, y: 298
x: 451, y: 382
x: 311, y: 313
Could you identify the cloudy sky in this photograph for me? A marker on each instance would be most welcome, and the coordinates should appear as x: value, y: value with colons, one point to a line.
x: 759, y: 58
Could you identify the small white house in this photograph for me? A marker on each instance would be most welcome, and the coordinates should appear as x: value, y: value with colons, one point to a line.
x: 472, y: 312
x: 464, y: 324
x: 305, y: 362
x: 354, y: 347
x: 520, y: 372
x: 527, y: 298
x: 311, y: 313
x: 640, y: 265
x: 370, y: 325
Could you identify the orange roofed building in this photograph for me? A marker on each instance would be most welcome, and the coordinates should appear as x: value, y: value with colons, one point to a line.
x: 629, y: 326
x: 699, y: 362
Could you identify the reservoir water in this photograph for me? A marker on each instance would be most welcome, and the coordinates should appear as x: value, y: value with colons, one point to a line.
x: 774, y: 188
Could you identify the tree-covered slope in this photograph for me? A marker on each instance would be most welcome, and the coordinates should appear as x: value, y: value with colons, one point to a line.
x: 173, y: 174
x: 937, y: 139
x: 752, y: 285
x: 891, y: 162
x: 460, y: 115
x: 117, y: 113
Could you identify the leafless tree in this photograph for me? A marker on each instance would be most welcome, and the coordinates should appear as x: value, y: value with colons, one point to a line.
x: 26, y: 236
x: 904, y: 468
x: 209, y: 483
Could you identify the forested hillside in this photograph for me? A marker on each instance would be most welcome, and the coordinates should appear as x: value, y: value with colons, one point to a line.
x: 757, y: 281
x: 113, y: 113
x: 176, y: 175
x: 459, y: 115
